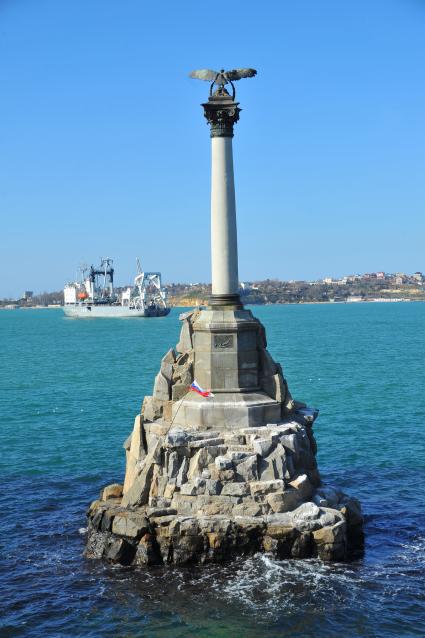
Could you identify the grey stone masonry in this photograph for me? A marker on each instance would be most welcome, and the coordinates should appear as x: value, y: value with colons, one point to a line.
x: 197, y: 497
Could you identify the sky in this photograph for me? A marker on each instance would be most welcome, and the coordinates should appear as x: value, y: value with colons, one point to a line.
x: 104, y: 150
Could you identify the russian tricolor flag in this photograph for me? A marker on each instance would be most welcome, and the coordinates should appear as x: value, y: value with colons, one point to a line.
x: 197, y: 388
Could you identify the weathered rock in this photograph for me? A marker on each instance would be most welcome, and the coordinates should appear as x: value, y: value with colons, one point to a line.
x: 169, y: 490
x: 159, y: 512
x: 152, y: 408
x: 120, y: 551
x: 97, y: 542
x: 290, y: 442
x: 96, y: 518
x: 182, y: 473
x: 309, y: 414
x: 158, y: 483
x: 173, y: 464
x: 260, y: 488
x: 136, y: 442
x: 177, y: 437
x: 130, y: 524
x: 274, y: 465
x: 107, y: 520
x: 185, y: 342
x: 187, y: 550
x: 333, y: 534
x: 167, y: 364
x: 303, y: 486
x: 263, y: 447
x: 205, y: 442
x: 161, y: 388
x: 302, y: 547
x: 220, y: 506
x: 351, y: 510
x: 234, y: 438
x: 213, y: 487
x: 307, y: 512
x: 148, y: 551
x: 136, y: 451
x: 332, y: 551
x: 329, y: 516
x: 226, y: 475
x: 190, y: 489
x: 247, y: 470
x: 183, y: 370
x: 138, y: 493
x: 235, y: 489
x: 247, y: 509
x: 112, y: 491
x: 274, y: 386
x: 279, y: 540
x: 197, y: 463
x: 223, y: 463
x: 179, y: 390
x: 286, y: 501
x: 94, y: 506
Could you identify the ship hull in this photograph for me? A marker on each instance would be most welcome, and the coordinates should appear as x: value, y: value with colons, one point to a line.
x: 94, y: 311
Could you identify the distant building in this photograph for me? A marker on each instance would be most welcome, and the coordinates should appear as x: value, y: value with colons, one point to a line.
x: 28, y: 294
x: 380, y: 275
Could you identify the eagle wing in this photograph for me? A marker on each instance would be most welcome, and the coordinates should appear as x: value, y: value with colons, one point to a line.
x: 238, y: 74
x: 204, y: 74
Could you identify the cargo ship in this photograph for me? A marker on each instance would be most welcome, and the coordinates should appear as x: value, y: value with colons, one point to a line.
x: 94, y: 295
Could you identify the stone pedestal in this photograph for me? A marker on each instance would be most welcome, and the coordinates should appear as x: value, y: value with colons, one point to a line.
x: 225, y: 352
x: 226, y: 345
x: 229, y: 358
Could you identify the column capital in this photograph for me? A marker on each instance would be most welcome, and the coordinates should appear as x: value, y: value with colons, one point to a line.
x: 221, y: 112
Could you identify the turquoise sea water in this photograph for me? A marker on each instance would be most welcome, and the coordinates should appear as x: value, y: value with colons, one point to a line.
x: 69, y: 391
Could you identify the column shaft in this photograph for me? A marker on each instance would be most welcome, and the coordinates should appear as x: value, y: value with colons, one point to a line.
x: 224, y: 249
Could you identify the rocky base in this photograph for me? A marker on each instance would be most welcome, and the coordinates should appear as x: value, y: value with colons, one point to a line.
x: 208, y: 479
x: 202, y: 497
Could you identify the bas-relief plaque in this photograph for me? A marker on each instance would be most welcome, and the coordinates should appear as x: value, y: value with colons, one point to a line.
x: 222, y: 342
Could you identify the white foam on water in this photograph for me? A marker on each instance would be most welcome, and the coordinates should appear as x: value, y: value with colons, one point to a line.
x: 270, y: 587
x: 413, y: 552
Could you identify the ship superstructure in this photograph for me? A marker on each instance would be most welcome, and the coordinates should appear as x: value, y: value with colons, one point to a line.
x: 94, y: 295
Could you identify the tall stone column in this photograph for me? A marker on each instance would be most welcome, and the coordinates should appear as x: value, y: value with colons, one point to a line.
x: 227, y: 344
x: 223, y: 343
x: 222, y: 112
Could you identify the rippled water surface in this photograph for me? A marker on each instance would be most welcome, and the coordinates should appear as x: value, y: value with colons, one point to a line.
x: 69, y: 391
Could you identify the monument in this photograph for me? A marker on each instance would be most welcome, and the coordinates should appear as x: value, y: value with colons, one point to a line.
x: 221, y: 459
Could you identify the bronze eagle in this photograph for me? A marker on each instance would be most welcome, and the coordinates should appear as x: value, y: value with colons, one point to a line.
x: 222, y: 77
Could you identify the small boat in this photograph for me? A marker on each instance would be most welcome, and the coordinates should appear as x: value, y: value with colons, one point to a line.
x: 94, y: 295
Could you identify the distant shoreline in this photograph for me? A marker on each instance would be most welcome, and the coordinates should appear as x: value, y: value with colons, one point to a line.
x: 282, y: 303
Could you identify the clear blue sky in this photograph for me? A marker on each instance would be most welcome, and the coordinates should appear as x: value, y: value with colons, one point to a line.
x: 104, y: 150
